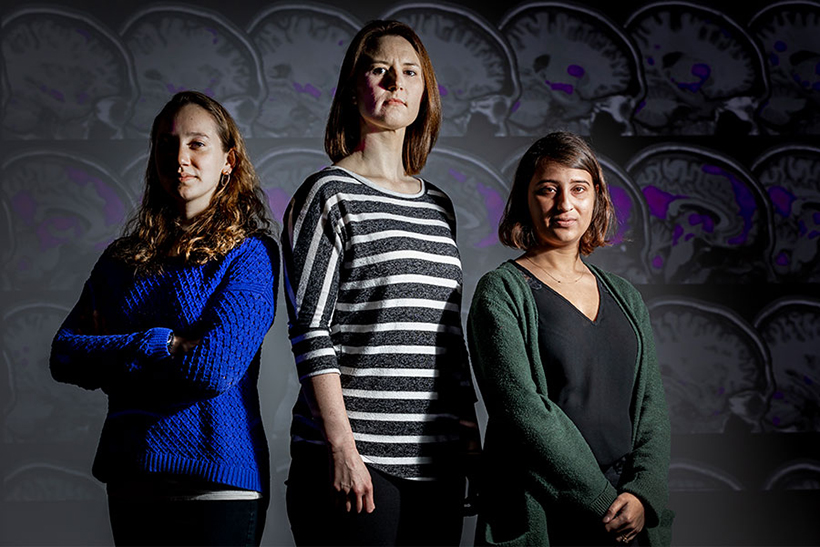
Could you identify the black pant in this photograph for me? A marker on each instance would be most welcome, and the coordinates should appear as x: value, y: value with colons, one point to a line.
x: 190, y: 522
x: 407, y: 512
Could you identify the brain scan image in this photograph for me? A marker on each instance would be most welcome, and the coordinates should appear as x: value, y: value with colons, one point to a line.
x: 282, y: 171
x: 40, y: 409
x: 716, y: 369
x: 695, y: 476
x: 575, y: 66
x: 66, y: 76
x: 791, y: 176
x: 787, y: 34
x: 178, y: 48
x: 50, y: 482
x: 801, y: 474
x: 709, y: 219
x: 302, y: 48
x: 474, y: 65
x: 479, y: 194
x: 791, y: 330
x: 63, y: 211
x: 703, y: 71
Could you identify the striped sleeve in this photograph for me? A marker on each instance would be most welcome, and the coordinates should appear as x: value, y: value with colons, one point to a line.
x: 312, y: 247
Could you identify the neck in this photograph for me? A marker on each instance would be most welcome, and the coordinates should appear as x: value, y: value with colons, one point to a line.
x: 379, y: 157
x: 559, y: 259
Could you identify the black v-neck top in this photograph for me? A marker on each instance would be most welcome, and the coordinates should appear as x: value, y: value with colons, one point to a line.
x: 589, y: 366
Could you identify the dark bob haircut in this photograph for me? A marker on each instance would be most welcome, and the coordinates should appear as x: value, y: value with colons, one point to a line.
x: 568, y: 150
x: 342, y: 133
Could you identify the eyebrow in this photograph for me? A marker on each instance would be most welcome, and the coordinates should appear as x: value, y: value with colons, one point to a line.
x: 404, y: 63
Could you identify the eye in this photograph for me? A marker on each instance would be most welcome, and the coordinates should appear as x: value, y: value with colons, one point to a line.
x: 378, y: 71
x: 196, y: 144
x: 410, y: 72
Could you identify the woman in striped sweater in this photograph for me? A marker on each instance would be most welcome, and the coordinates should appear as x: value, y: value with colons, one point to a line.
x: 373, y: 283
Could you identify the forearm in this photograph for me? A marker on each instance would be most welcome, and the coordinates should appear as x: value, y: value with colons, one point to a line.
x: 328, y: 407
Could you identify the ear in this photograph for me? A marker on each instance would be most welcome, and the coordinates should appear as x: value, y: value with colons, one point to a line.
x: 230, y: 162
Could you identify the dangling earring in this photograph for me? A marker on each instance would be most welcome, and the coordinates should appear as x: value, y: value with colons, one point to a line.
x: 224, y: 179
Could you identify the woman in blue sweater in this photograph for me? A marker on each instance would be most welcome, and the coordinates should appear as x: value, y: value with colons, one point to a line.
x: 577, y: 442
x: 170, y: 326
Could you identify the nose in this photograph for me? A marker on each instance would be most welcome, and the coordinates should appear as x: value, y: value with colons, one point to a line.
x: 564, y: 202
x: 393, y: 80
x: 183, y: 158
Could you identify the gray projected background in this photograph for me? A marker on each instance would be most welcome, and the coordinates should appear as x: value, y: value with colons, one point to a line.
x: 706, y: 119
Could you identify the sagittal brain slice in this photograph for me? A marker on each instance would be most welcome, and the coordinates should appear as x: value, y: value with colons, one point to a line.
x: 709, y: 218
x: 700, y: 66
x: 787, y: 34
x: 177, y: 48
x: 716, y: 369
x: 302, y: 48
x: 66, y: 75
x: 64, y: 210
x: 574, y: 65
x: 790, y: 175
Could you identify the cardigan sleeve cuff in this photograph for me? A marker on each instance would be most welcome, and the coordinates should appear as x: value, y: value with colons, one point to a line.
x: 604, y: 499
x: 154, y: 343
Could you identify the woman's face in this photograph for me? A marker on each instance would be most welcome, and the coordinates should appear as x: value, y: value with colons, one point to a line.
x: 390, y: 88
x: 190, y: 158
x: 561, y: 202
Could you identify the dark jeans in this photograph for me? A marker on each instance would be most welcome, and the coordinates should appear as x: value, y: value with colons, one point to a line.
x: 407, y: 512
x: 190, y: 522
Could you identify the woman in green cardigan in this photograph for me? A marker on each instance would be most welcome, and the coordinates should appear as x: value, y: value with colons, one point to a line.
x: 577, y: 442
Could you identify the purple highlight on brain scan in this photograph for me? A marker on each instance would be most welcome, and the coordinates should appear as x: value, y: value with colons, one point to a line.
x: 623, y: 211
x: 782, y: 199
x: 744, y: 199
x: 576, y: 71
x: 114, y: 209
x: 494, y: 204
x: 782, y: 259
x: 658, y: 201
x: 456, y: 174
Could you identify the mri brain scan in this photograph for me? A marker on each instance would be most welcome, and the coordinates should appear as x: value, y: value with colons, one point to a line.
x: 716, y: 370
x: 283, y: 170
x: 479, y: 194
x: 791, y: 329
x: 178, y: 48
x: 474, y: 65
x: 791, y: 176
x: 787, y: 34
x: 66, y: 77
x: 302, y: 48
x: 703, y: 72
x: 40, y: 409
x: 63, y: 211
x: 709, y: 219
x: 576, y: 67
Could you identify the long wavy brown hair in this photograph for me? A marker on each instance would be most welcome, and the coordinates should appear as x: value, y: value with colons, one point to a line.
x: 237, y: 210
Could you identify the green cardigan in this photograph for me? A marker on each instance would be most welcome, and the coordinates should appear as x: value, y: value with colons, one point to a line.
x: 534, y: 456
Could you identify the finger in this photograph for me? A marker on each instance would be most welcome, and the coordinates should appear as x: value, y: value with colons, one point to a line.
x: 614, y: 509
x: 348, y: 505
x: 369, y: 502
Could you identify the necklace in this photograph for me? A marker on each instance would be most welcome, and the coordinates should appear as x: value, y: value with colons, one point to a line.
x: 531, y: 261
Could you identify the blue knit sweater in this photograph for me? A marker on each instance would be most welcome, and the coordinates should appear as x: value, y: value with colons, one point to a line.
x: 193, y: 415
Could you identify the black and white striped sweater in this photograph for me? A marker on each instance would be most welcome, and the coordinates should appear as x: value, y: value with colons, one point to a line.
x: 373, y: 284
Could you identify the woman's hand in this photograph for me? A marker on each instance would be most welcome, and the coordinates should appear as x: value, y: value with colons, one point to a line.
x: 181, y: 346
x: 625, y: 518
x: 352, y: 479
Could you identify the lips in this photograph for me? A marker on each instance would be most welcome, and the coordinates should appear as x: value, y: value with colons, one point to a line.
x: 563, y: 222
x: 396, y: 102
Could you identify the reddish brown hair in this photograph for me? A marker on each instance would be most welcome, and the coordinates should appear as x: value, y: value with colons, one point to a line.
x: 342, y: 133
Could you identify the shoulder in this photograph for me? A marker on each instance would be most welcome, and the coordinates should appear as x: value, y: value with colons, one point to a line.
x: 504, y: 280
x: 325, y: 183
